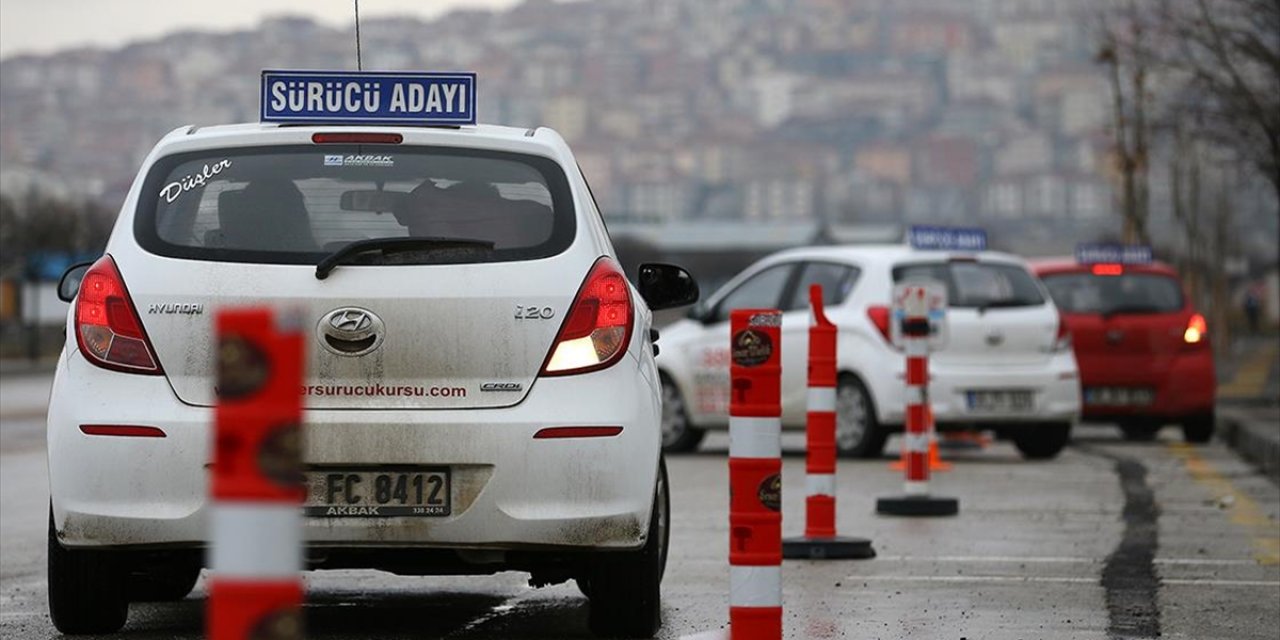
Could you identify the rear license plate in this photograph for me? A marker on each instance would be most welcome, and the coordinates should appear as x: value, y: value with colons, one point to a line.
x: 373, y: 493
x: 1119, y: 396
x: 999, y: 401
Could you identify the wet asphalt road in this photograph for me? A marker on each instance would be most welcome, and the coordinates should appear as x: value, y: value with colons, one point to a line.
x: 1112, y: 539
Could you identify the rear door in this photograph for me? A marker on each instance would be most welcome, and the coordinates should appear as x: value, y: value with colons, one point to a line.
x: 463, y: 323
x: 996, y: 316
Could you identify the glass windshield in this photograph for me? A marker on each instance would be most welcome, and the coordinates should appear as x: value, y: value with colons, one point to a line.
x: 296, y: 204
x: 1127, y: 293
x: 978, y: 284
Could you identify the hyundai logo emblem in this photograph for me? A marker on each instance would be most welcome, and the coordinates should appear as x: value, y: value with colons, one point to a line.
x: 350, y: 331
x: 351, y: 320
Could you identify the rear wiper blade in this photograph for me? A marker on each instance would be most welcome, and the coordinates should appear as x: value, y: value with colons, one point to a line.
x: 1129, y: 308
x: 391, y: 245
x: 996, y: 304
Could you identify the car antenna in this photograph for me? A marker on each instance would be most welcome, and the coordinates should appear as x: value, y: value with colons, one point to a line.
x: 359, y: 65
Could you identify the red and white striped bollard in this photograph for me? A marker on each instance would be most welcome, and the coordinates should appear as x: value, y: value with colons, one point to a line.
x: 255, y: 591
x: 755, y: 475
x: 915, y: 341
x: 820, y: 540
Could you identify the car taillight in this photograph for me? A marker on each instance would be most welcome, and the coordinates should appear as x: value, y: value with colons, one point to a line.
x: 1108, y: 270
x: 108, y: 329
x: 1062, y: 341
x: 598, y: 326
x: 1197, y: 330
x: 879, y: 317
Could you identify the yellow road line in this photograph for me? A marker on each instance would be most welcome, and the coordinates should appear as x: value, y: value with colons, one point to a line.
x: 1245, y: 511
x: 1252, y: 376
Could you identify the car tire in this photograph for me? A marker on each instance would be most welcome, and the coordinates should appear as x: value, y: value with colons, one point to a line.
x: 1042, y: 441
x: 678, y: 434
x: 1199, y: 429
x: 1140, y: 431
x: 858, y: 433
x: 85, y: 594
x: 624, y: 588
x: 163, y: 585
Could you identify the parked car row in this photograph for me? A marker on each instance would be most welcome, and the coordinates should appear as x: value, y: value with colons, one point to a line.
x: 1032, y: 347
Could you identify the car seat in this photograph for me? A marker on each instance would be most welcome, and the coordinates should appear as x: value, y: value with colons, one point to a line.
x: 267, y: 215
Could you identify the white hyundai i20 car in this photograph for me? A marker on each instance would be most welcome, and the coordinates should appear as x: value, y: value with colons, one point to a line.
x: 1007, y: 364
x: 469, y: 325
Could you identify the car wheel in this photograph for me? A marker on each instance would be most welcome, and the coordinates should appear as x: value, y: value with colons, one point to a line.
x: 678, y: 435
x: 1199, y: 429
x: 858, y: 435
x: 163, y: 585
x: 85, y: 594
x: 1042, y: 441
x: 1140, y: 431
x: 625, y: 588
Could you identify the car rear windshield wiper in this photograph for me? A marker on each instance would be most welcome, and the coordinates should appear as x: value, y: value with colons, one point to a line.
x: 1007, y: 302
x: 1129, y: 308
x: 392, y: 245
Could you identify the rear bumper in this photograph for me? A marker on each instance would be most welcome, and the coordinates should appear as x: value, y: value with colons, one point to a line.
x: 509, y: 490
x: 1054, y: 387
x: 1185, y: 385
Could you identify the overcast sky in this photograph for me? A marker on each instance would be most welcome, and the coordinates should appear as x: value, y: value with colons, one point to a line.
x: 42, y: 26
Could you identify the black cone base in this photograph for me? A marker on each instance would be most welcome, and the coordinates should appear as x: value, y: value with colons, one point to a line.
x: 917, y: 506
x: 837, y: 548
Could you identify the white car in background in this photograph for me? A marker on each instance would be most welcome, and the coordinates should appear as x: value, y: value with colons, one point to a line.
x: 1007, y: 366
x: 469, y: 329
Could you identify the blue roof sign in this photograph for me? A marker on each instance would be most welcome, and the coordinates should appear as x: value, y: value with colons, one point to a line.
x: 1093, y: 253
x: 354, y: 97
x: 947, y: 238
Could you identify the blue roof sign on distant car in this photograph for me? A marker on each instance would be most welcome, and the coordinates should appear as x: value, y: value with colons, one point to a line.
x: 947, y: 238
x: 1109, y: 252
x: 352, y: 97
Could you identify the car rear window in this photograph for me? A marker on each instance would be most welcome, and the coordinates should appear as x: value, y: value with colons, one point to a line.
x: 297, y: 204
x: 978, y: 284
x: 1126, y: 293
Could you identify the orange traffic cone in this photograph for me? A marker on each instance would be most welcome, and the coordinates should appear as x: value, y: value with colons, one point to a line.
x: 936, y: 463
x: 969, y: 439
x: 901, y: 462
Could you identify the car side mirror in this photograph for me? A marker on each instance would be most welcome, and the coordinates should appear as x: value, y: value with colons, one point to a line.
x: 69, y: 285
x: 664, y: 286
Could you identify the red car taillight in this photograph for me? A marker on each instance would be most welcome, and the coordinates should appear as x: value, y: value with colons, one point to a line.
x: 879, y: 317
x: 108, y: 329
x: 1197, y: 330
x: 598, y: 327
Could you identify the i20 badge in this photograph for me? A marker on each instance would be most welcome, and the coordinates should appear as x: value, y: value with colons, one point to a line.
x: 350, y: 331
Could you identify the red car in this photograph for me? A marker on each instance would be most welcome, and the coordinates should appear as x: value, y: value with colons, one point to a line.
x: 1142, y: 348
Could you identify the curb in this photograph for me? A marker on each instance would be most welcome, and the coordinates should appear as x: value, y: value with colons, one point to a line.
x: 1250, y: 444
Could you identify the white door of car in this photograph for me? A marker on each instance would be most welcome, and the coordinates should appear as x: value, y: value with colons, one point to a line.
x: 837, y: 281
x: 709, y: 405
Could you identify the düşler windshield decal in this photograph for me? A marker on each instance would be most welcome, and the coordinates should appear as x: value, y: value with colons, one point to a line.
x: 171, y: 191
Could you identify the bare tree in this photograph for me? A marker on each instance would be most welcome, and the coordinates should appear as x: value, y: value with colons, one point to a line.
x: 1227, y: 52
x: 1123, y: 50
